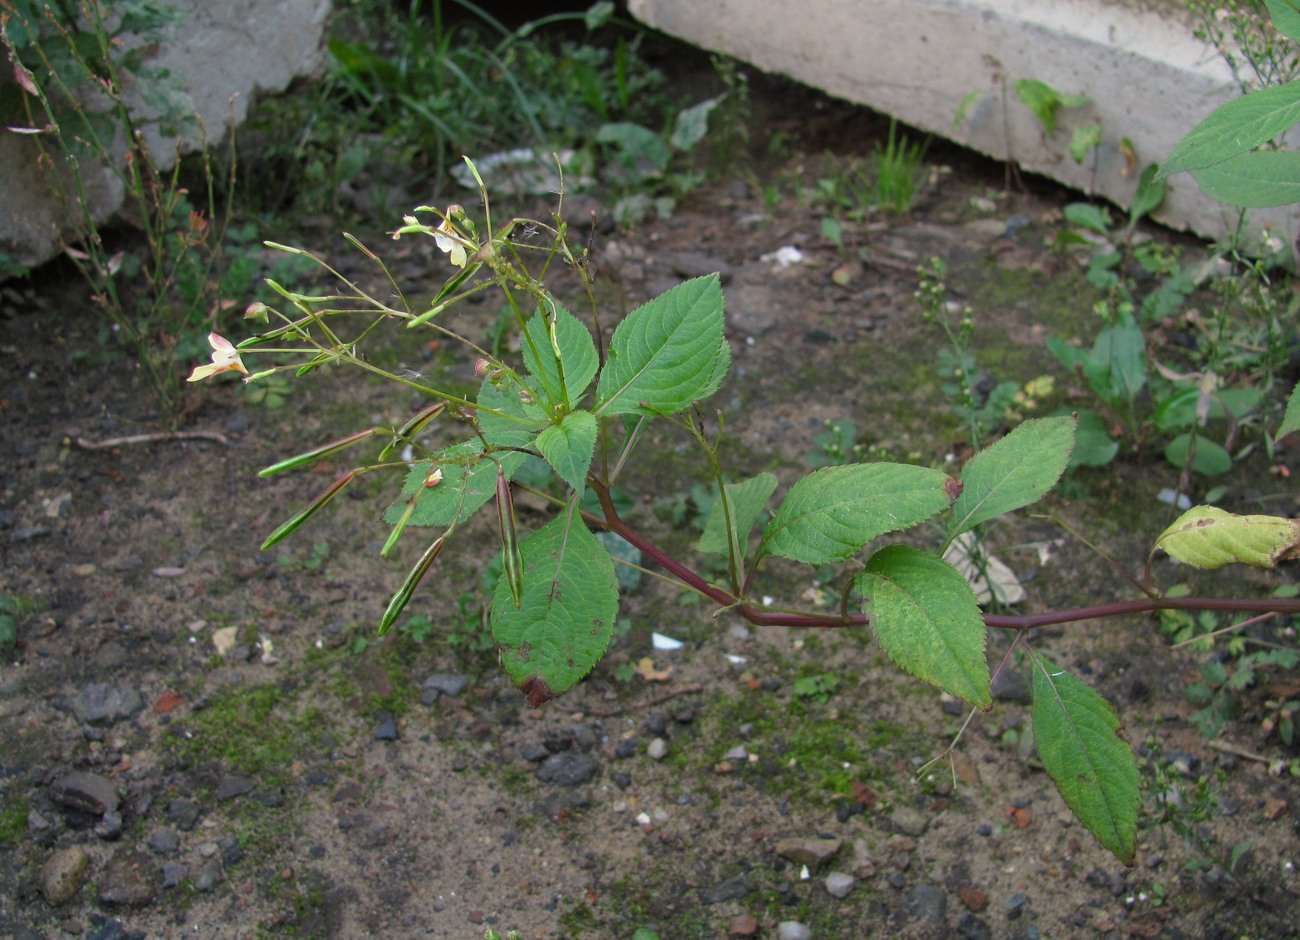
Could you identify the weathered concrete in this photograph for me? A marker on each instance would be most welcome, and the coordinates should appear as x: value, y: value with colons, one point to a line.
x: 219, y: 50
x: 1147, y: 77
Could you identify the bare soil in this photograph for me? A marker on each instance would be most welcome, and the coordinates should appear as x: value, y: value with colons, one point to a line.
x: 309, y: 780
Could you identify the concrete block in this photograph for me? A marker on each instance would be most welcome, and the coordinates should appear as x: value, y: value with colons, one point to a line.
x: 218, y: 50
x: 1147, y: 78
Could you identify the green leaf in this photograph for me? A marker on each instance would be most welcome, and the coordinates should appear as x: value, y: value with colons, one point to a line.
x: 566, y: 619
x: 1255, y: 180
x: 926, y: 618
x: 1286, y: 17
x: 831, y: 513
x: 577, y: 353
x: 964, y: 107
x: 503, y: 419
x: 1085, y: 215
x: 1150, y: 193
x: 691, y: 125
x: 747, y: 500
x: 667, y: 353
x: 1117, y: 367
x: 1207, y: 537
x: 1040, y: 98
x: 1084, y: 141
x: 634, y: 143
x: 1014, y: 472
x: 468, y: 481
x: 1080, y: 742
x: 569, y: 446
x: 1236, y: 127
x: 1093, y: 447
x: 1291, y: 420
x: 1207, y: 458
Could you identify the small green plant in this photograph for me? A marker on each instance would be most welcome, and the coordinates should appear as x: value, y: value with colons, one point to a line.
x: 13, y: 821
x: 836, y: 445
x: 581, y: 400
x: 818, y: 688
x: 73, y: 66
x: 899, y: 171
x: 981, y: 410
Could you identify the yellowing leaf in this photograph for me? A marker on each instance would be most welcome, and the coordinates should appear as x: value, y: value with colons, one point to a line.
x: 647, y: 671
x: 1207, y: 537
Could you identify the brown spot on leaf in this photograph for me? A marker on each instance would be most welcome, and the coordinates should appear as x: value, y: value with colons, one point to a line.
x: 952, y: 488
x: 536, y: 691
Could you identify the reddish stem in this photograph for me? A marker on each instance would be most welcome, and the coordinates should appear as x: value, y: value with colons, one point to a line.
x: 1019, y: 622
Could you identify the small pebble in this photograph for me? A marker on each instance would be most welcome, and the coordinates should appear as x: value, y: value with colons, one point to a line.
x: 839, y: 884
x: 658, y: 749
x: 793, y: 930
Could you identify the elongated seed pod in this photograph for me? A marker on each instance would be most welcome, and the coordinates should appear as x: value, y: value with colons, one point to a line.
x: 403, y: 595
x: 514, y: 568
x: 413, y: 426
x: 312, y: 508
x: 316, y: 453
x: 400, y: 527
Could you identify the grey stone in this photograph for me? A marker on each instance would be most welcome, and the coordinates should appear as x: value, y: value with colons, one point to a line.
x: 447, y: 683
x: 908, y: 821
x: 183, y: 814
x: 927, y: 903
x: 85, y: 792
x: 839, y: 884
x: 793, y: 930
x: 109, y: 827
x: 129, y: 879
x: 233, y: 785
x: 658, y: 749
x: 811, y: 852
x: 567, y: 769
x: 387, y: 728
x: 697, y: 264
x: 164, y: 842
x: 209, y: 875
x: 971, y: 927
x: 173, y: 873
x: 102, y: 703
x: 733, y: 889
x: 110, y: 930
x: 63, y: 874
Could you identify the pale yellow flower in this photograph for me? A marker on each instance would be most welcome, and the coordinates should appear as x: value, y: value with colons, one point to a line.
x: 450, y: 242
x: 225, y: 358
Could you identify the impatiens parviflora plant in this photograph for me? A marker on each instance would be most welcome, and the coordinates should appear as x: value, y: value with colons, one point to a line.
x: 583, y: 409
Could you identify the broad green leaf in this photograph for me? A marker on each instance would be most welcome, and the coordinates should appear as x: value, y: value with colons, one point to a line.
x: 564, y: 623
x: 577, y: 353
x: 667, y: 353
x: 1207, y: 457
x: 1084, y: 141
x: 831, y: 513
x: 1081, y: 744
x: 1093, y: 446
x: 692, y: 124
x: 747, y: 500
x: 468, y: 481
x: 926, y: 618
x: 1233, y: 128
x: 568, y: 447
x: 1086, y: 215
x: 1286, y: 17
x: 1255, y: 180
x: 1291, y: 420
x: 1040, y: 98
x: 503, y: 419
x: 634, y: 144
x: 1014, y: 472
x: 1150, y: 193
x: 1207, y: 537
x: 1117, y: 368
